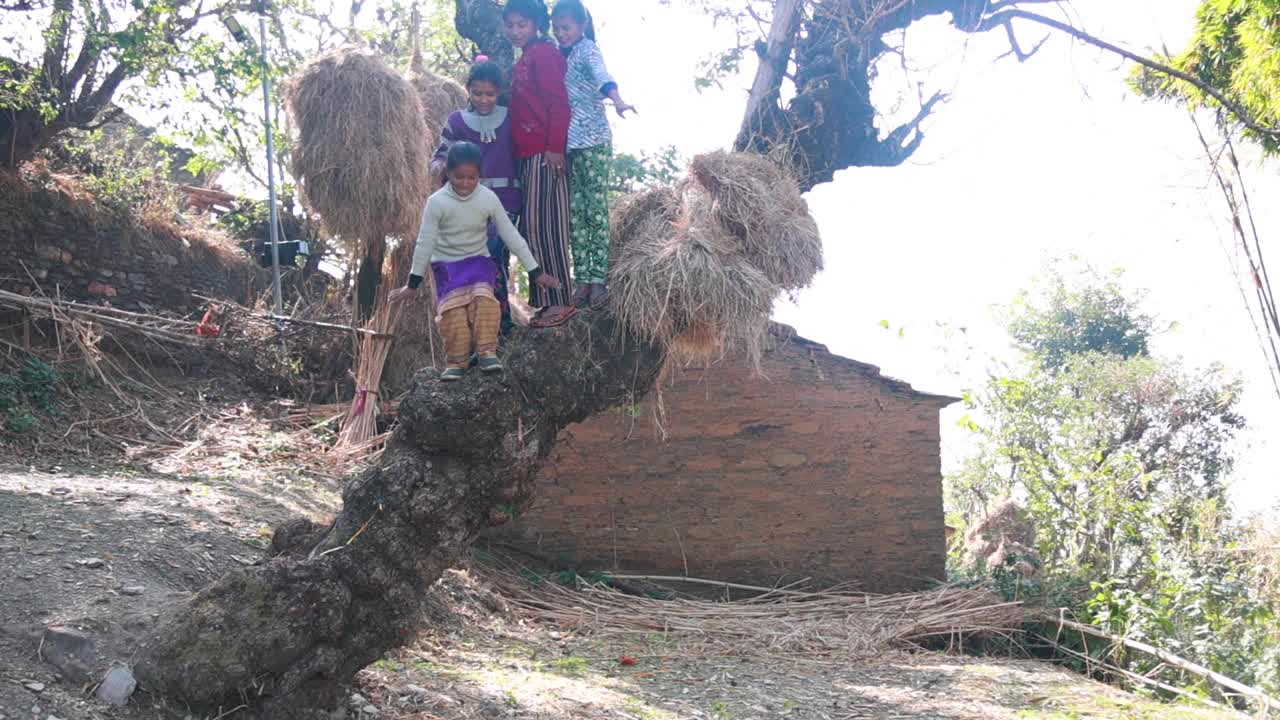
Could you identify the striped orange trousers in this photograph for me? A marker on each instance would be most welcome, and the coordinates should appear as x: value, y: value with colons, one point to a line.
x: 471, y: 328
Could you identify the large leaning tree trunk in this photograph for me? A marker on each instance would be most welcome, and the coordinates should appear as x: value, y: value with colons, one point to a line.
x: 289, y: 635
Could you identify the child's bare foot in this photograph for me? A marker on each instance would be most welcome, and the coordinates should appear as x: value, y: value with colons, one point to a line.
x: 599, y: 296
x: 581, y: 296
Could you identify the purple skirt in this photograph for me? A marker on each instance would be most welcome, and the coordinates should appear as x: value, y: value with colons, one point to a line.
x: 463, y: 275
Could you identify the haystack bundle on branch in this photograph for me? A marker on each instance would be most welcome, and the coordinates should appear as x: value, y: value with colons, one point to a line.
x: 698, y: 267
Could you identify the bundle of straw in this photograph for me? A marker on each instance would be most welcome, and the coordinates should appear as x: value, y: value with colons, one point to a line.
x: 360, y: 427
x: 362, y: 149
x: 439, y: 97
x: 697, y: 267
x: 821, y: 626
x: 759, y: 203
x: 362, y: 153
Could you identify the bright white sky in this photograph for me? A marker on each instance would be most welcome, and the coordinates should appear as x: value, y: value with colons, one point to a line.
x: 1027, y: 162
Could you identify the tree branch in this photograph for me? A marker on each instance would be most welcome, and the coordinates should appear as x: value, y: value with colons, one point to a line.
x: 56, y: 36
x: 1016, y: 50
x: 1244, y: 116
x: 480, y: 21
x: 905, y: 139
x: 292, y: 632
x: 773, y: 65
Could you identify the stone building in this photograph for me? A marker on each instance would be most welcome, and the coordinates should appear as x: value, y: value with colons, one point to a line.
x: 821, y: 469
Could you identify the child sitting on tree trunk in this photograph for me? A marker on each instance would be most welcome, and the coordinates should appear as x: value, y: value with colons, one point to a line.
x: 454, y: 241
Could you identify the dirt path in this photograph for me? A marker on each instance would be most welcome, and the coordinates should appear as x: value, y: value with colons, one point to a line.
x: 100, y: 550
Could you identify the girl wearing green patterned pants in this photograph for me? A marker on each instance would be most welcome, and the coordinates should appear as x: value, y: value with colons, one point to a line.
x: 590, y: 148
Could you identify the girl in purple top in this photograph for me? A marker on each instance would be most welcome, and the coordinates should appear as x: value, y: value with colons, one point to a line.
x: 487, y: 124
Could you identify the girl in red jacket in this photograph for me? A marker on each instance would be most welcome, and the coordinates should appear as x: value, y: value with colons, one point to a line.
x: 539, y: 108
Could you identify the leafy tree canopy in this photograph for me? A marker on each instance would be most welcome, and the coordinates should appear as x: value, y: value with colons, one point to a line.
x: 1071, y: 317
x: 1121, y: 460
x: 1235, y: 51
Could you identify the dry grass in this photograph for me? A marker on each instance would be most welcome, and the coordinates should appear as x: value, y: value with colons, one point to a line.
x: 439, y: 97
x: 832, y: 626
x: 1005, y: 535
x: 360, y: 428
x: 362, y: 148
x: 698, y: 267
x: 759, y: 202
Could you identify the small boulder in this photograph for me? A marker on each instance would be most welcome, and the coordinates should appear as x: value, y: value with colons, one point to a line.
x: 117, y: 686
x: 70, y: 651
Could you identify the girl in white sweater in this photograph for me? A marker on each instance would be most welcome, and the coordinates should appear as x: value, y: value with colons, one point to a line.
x: 453, y: 240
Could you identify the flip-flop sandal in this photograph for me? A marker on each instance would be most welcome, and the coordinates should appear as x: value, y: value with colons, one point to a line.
x: 541, y: 323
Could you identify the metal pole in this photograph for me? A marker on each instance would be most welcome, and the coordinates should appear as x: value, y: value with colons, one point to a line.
x: 271, y: 173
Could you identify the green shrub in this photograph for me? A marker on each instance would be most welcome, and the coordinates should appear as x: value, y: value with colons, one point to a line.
x: 20, y: 420
x: 10, y: 392
x: 39, y: 382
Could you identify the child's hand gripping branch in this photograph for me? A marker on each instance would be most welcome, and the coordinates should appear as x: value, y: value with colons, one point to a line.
x: 454, y: 242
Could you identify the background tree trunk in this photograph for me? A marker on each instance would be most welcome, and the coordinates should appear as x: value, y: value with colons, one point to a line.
x: 288, y: 636
x: 23, y: 133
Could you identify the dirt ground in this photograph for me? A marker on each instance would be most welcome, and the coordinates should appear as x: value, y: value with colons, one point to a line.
x: 99, y: 549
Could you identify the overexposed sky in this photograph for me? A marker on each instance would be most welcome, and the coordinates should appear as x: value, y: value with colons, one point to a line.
x: 1027, y: 162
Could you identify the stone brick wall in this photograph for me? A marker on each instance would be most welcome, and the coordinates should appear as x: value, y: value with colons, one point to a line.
x: 69, y: 243
x: 823, y: 469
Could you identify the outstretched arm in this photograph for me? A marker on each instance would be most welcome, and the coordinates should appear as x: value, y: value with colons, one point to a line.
x: 428, y: 236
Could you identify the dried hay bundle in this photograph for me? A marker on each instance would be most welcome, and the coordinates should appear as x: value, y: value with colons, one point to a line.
x: 439, y: 97
x: 360, y: 428
x: 1005, y: 537
x: 697, y: 269
x: 362, y: 150
x: 759, y: 203
x: 645, y: 214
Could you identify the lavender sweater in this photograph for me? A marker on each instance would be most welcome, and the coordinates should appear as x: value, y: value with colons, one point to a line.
x: 498, y: 166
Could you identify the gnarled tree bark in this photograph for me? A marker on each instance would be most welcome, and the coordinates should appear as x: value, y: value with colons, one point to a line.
x: 284, y: 638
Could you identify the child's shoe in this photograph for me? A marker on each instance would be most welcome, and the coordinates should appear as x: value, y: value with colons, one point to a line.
x: 490, y: 364
x: 453, y: 374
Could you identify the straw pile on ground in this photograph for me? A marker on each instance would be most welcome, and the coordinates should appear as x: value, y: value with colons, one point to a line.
x: 698, y: 267
x: 819, y: 626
